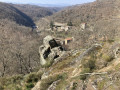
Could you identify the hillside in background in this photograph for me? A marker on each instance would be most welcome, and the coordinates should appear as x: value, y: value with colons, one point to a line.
x: 90, y: 12
x: 102, y: 18
x: 18, y: 43
x: 13, y: 14
x: 85, y: 56
x: 36, y: 12
x: 24, y: 14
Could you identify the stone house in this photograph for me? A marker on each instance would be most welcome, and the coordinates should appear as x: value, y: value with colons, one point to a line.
x: 68, y: 40
x: 83, y: 26
x: 61, y: 27
x: 65, y: 28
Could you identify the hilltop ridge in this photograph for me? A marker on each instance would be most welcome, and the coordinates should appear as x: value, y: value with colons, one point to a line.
x: 36, y: 12
x: 11, y: 13
x: 89, y: 12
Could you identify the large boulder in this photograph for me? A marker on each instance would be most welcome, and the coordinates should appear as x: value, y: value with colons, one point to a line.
x: 50, y: 50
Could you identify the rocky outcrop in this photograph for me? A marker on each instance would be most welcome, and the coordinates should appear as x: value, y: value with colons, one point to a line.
x: 50, y: 50
x: 37, y: 86
x: 115, y: 50
x: 93, y: 48
x: 53, y: 85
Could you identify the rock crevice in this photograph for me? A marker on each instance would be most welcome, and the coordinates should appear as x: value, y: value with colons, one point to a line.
x: 50, y: 50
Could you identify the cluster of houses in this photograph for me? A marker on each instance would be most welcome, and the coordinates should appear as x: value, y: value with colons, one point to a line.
x: 64, y: 27
x: 61, y: 27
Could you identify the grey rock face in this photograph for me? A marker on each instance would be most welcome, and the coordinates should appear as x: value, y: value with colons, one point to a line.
x: 88, y: 51
x: 53, y: 85
x: 50, y: 50
x: 115, y: 50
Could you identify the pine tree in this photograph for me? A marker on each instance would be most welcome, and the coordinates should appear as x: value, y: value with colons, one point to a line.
x: 69, y: 23
x: 51, y: 25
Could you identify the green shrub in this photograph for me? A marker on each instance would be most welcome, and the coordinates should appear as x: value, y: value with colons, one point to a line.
x: 14, y: 82
x: 16, y: 78
x: 85, y: 70
x: 101, y: 85
x: 48, y: 64
x: 48, y: 81
x: 1, y: 88
x: 11, y: 83
x: 111, y: 40
x: 30, y: 85
x: 90, y: 64
x: 12, y: 87
x: 69, y: 23
x: 88, y: 67
x: 107, y: 58
x: 51, y: 25
x: 30, y: 78
x: 74, y: 86
x: 61, y: 85
x: 39, y: 75
x: 33, y: 77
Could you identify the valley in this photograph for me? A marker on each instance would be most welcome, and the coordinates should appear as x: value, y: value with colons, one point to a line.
x: 60, y: 48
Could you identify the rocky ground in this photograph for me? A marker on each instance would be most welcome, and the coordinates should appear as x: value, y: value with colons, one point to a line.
x: 94, y: 68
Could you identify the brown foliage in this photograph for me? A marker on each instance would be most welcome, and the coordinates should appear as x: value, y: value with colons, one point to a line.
x: 18, y: 49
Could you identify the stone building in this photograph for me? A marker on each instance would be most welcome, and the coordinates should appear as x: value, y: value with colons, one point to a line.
x: 61, y: 26
x: 83, y: 26
x: 68, y: 40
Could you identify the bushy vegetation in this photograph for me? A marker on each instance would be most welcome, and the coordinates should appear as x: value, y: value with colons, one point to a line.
x: 51, y: 25
x: 48, y: 81
x: 107, y: 58
x: 20, y: 82
x: 101, y: 85
x: 90, y: 64
x: 88, y: 67
x: 74, y: 86
x: 61, y: 84
x: 33, y: 77
x: 83, y: 76
x: 29, y: 86
x: 69, y: 23
x: 11, y: 82
x: 48, y: 63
